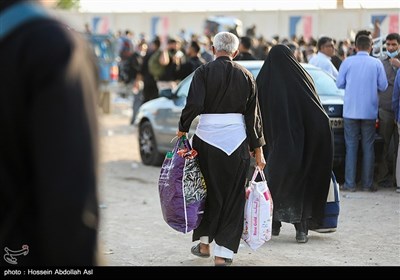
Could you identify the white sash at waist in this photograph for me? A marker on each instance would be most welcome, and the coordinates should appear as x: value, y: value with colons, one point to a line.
x: 224, y: 131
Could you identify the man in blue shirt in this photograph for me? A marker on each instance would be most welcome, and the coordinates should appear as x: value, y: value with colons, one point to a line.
x: 362, y: 76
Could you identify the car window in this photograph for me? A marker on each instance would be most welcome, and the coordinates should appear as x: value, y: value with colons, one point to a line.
x: 324, y: 83
x: 183, y: 89
x: 254, y: 71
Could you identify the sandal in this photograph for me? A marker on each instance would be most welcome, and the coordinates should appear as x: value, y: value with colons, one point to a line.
x: 196, y: 251
x: 227, y: 262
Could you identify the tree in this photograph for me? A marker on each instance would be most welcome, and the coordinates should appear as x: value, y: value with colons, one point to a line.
x: 67, y: 4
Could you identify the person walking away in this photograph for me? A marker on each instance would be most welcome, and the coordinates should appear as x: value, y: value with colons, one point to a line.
x: 326, y: 50
x: 224, y: 94
x: 48, y: 144
x: 361, y: 76
x: 299, y: 148
x: 387, y: 128
x: 396, y: 111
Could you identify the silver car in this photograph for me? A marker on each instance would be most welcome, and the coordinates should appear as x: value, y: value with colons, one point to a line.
x: 158, y: 119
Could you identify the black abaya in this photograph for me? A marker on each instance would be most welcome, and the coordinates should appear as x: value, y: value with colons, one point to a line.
x: 299, y: 139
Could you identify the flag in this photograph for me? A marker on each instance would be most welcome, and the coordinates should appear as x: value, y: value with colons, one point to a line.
x: 394, y: 24
x: 101, y: 25
x: 389, y: 23
x: 160, y: 29
x: 300, y: 26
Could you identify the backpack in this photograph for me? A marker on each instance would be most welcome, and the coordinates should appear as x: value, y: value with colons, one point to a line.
x: 129, y: 68
x: 155, y: 68
x: 126, y: 49
x: 17, y: 14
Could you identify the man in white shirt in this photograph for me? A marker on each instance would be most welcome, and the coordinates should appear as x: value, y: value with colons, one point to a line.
x: 326, y: 49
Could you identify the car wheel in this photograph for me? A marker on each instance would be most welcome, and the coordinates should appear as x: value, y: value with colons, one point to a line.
x: 148, y: 146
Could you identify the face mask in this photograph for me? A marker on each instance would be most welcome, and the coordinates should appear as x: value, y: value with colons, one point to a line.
x: 392, y: 54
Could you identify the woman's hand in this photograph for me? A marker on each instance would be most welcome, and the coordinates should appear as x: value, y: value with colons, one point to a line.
x: 260, y: 160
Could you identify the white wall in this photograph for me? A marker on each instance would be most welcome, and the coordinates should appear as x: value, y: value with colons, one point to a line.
x: 335, y: 23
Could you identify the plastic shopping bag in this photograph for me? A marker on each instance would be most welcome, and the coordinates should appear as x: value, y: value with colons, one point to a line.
x: 258, y: 212
x: 182, y: 188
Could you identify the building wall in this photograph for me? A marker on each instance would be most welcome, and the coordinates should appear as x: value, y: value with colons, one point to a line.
x: 338, y: 23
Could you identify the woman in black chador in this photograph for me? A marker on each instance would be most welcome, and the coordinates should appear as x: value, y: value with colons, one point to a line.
x: 299, y: 142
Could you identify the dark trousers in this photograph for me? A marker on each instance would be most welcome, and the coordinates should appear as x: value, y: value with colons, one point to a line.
x: 137, y: 102
x: 388, y: 130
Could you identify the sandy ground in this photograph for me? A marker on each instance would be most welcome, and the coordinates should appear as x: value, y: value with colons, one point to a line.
x: 133, y: 232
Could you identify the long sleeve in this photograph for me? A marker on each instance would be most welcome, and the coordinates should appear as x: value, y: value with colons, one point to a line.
x: 194, y: 102
x: 341, y: 78
x: 253, y: 120
x: 395, y: 97
x: 382, y: 79
x: 221, y: 87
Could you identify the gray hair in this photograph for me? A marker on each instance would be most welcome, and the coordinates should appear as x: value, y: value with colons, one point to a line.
x: 226, y: 41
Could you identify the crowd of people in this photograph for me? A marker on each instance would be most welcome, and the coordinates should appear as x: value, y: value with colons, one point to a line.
x: 181, y: 54
x: 49, y: 148
x: 156, y: 69
x: 295, y: 128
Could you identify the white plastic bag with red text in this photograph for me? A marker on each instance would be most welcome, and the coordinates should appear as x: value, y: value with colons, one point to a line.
x: 257, y: 212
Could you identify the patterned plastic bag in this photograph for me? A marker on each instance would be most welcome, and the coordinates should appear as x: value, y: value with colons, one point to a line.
x: 257, y: 212
x: 182, y: 188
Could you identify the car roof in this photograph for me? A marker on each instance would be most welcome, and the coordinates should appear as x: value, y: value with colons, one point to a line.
x: 259, y: 63
x: 251, y: 63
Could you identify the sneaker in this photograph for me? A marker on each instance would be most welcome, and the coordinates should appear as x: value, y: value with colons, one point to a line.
x: 398, y: 189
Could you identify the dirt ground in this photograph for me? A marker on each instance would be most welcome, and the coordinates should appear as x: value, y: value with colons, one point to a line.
x: 133, y: 232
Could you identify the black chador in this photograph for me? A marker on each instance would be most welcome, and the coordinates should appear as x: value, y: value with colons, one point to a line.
x: 299, y: 139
